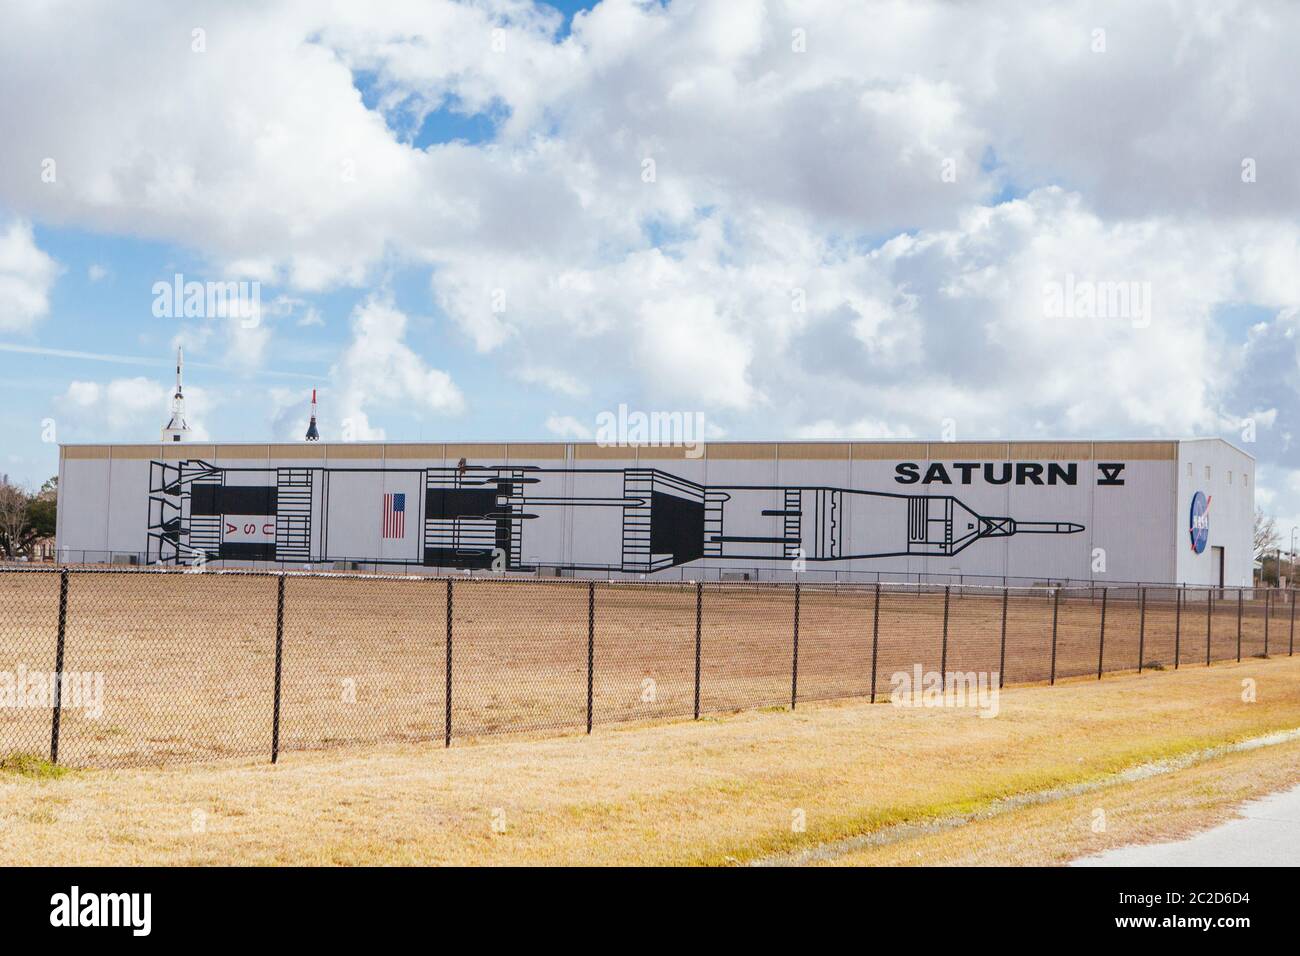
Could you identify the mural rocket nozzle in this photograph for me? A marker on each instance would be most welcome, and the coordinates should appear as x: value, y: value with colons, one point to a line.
x: 637, y: 520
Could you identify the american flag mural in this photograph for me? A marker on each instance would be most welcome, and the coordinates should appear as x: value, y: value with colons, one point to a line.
x: 395, y: 516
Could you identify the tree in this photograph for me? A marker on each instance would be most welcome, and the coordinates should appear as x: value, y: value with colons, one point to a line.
x: 43, y: 510
x: 26, y: 518
x: 1266, y: 536
x: 14, y: 524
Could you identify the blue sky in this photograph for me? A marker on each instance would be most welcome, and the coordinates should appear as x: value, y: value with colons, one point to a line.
x: 796, y: 264
x: 110, y: 318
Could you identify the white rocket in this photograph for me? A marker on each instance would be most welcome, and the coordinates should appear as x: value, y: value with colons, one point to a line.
x: 312, y: 433
x: 176, y: 428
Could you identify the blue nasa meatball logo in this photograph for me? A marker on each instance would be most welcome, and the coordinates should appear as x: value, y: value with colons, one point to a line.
x: 1199, y: 522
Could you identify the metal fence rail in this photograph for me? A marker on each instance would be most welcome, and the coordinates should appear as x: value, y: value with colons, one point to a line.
x: 111, y: 667
x: 715, y: 571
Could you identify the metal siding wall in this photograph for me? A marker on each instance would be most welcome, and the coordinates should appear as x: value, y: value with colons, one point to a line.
x: 58, y: 511
x: 1132, y: 523
x: 1046, y: 557
x: 1232, y: 513
x: 128, y: 505
x: 83, y: 504
x: 352, y: 527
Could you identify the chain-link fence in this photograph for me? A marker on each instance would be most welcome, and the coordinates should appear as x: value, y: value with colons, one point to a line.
x: 103, y: 667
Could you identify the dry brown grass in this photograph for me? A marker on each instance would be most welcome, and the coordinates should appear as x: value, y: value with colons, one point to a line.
x: 1159, y: 809
x: 713, y: 791
x: 189, y: 658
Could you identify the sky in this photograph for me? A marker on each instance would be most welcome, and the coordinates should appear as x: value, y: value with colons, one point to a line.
x: 497, y: 219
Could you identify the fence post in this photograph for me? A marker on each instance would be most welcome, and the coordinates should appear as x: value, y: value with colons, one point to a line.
x: 1240, y: 598
x: 1101, y: 642
x: 1267, y: 608
x: 943, y: 654
x: 279, y: 666
x: 1056, y: 606
x: 1178, y: 625
x: 1002, y: 644
x: 1291, y: 645
x: 58, y: 666
x: 1142, y: 626
x: 794, y: 665
x: 875, y: 641
x: 591, y: 646
x: 446, y: 722
x: 699, y: 614
x: 1209, y: 623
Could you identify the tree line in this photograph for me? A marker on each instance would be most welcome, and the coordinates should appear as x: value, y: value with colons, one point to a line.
x: 26, y: 517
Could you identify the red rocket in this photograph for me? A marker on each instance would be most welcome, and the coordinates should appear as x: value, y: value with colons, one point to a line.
x: 312, y: 433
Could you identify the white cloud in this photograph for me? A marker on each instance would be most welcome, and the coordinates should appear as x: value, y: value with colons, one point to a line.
x: 243, y: 327
x: 263, y: 154
x: 26, y: 276
x: 691, y: 351
x: 289, y: 411
x: 379, y: 368
x: 247, y: 343
x: 566, y: 426
x: 133, y: 409
x: 783, y: 179
x: 555, y: 379
x: 96, y: 272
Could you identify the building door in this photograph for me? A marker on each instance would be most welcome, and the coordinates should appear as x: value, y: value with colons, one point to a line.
x: 1216, y: 566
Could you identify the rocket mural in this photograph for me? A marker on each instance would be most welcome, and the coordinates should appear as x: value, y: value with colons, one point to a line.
x: 635, y: 520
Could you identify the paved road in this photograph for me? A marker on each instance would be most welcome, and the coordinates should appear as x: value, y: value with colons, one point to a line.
x: 1267, y: 835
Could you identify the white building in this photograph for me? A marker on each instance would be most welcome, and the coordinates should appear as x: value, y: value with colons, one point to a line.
x: 1118, y: 511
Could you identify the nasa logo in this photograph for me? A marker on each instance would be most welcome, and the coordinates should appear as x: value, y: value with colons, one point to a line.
x: 1198, y: 525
